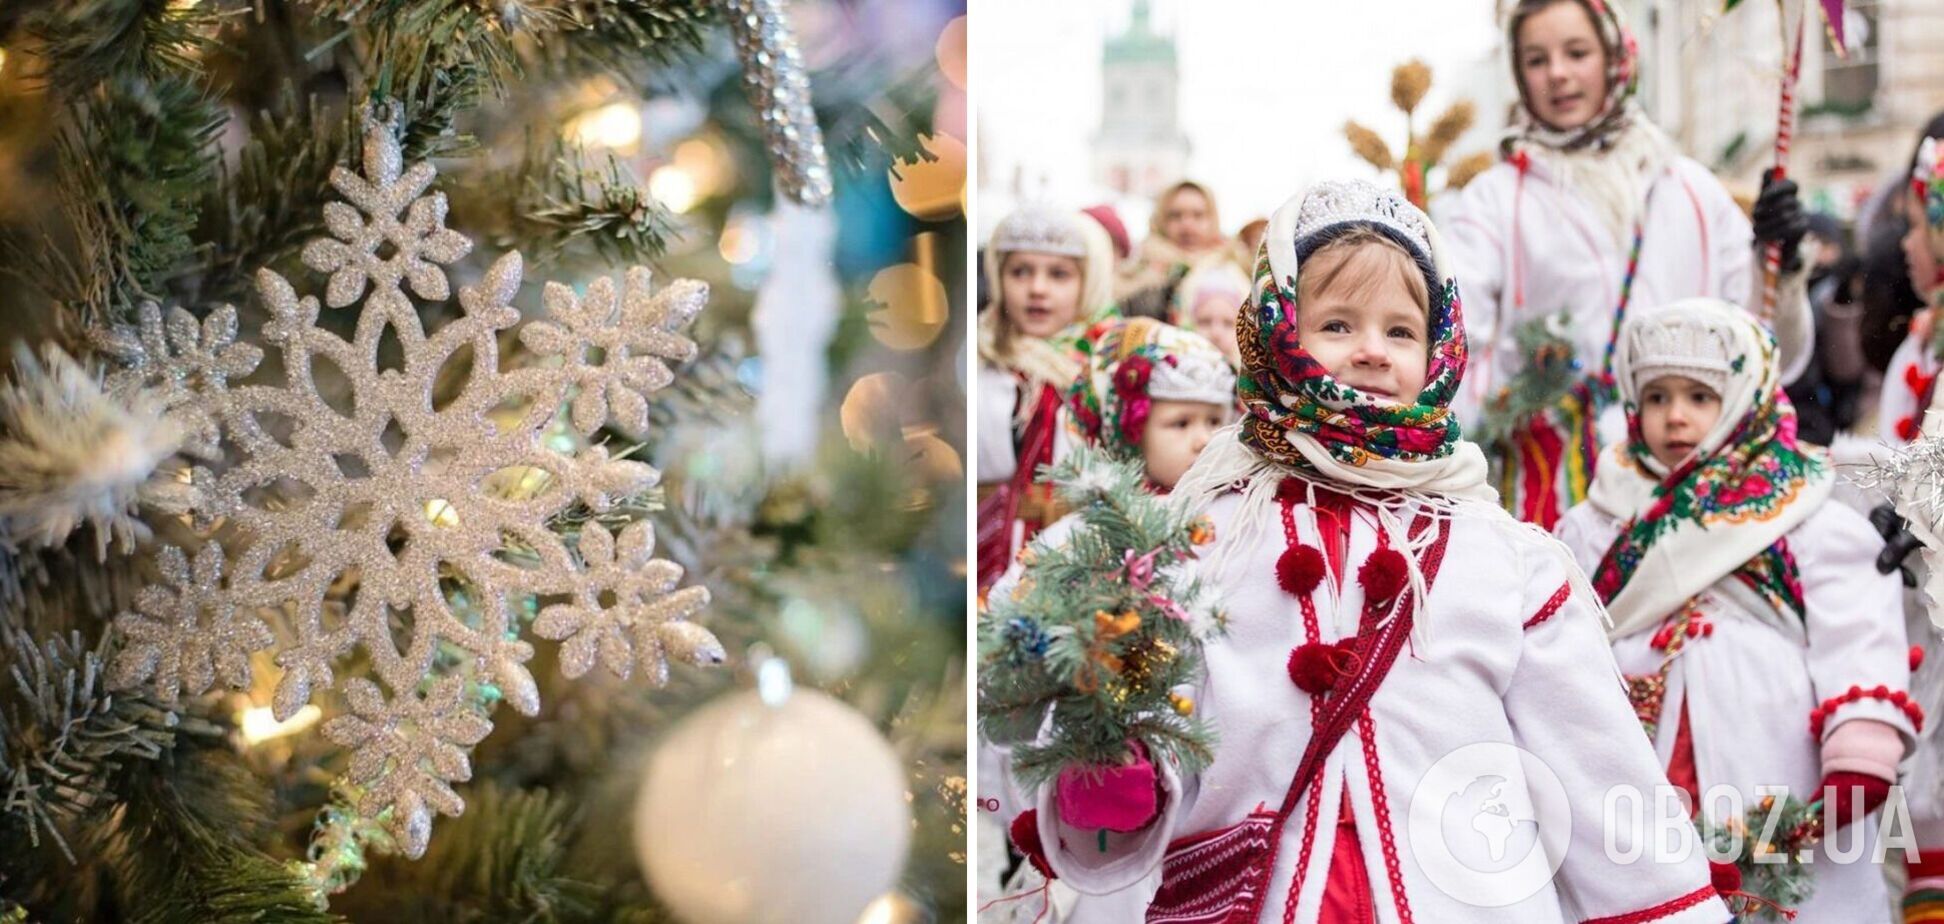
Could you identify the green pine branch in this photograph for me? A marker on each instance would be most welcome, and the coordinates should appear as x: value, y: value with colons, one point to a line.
x: 1080, y: 656
x: 620, y: 37
x: 260, y: 212
x: 184, y: 847
x: 505, y: 859
x: 568, y: 206
x: 85, y: 42
x: 64, y: 737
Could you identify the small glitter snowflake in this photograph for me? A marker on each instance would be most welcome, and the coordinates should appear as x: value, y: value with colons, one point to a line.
x: 434, y: 509
x: 410, y: 750
x: 188, y: 364
x: 647, y: 619
x: 169, y: 639
x: 635, y: 336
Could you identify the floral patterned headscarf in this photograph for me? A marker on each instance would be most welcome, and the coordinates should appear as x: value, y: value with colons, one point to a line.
x: 1131, y: 363
x: 1285, y: 389
x: 1726, y: 509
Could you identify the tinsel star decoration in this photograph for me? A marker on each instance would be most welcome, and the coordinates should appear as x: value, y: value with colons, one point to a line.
x: 397, y: 526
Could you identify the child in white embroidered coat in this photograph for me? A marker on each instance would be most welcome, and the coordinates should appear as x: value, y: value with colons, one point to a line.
x: 1762, y: 647
x: 1051, y: 272
x: 1150, y: 391
x: 1351, y: 459
x: 1593, y: 209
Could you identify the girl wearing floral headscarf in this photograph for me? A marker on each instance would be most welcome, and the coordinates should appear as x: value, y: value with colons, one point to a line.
x: 1592, y: 210
x: 1762, y: 647
x: 1383, y: 612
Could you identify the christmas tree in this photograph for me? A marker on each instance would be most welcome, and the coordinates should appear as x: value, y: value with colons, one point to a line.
x: 426, y: 416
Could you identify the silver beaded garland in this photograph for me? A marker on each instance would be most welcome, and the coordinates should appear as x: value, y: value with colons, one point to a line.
x: 773, y: 76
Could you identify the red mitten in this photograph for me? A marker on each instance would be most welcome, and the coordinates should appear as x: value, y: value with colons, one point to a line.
x: 1026, y: 840
x: 1843, y: 791
x: 1111, y: 798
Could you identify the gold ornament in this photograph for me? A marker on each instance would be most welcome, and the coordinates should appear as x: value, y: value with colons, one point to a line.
x: 1182, y: 705
x: 1108, y: 626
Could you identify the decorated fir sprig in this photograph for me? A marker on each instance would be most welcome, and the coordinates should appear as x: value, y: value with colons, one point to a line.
x: 1771, y: 877
x: 1083, y: 653
x: 1549, y: 374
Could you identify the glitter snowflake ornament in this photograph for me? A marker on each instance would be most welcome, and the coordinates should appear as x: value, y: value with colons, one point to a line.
x: 400, y: 523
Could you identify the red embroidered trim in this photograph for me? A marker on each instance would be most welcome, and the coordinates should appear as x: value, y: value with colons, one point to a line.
x: 1432, y: 561
x: 1206, y: 876
x: 1380, y: 805
x: 1522, y: 161
x: 1701, y: 223
x: 1659, y: 911
x: 1312, y: 631
x: 1898, y: 698
x: 1553, y: 603
x: 1309, y: 838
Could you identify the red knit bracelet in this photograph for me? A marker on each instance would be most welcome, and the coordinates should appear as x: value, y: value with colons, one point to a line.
x: 1898, y: 698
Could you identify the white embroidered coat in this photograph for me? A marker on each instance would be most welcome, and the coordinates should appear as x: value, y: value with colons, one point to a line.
x: 1749, y: 687
x: 999, y: 394
x: 1545, y: 243
x: 1505, y: 655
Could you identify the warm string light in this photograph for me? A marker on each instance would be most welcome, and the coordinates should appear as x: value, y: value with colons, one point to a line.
x: 891, y: 908
x: 259, y: 723
x: 739, y: 243
x: 615, y: 126
x: 674, y: 188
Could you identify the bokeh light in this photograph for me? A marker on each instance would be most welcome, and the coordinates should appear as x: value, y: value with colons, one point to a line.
x: 951, y: 52
x: 707, y: 162
x: 871, y: 409
x: 914, y: 308
x: 674, y: 188
x: 615, y: 126
x: 932, y: 190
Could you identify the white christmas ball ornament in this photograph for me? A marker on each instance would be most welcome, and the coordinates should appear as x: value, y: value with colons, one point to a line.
x: 752, y: 813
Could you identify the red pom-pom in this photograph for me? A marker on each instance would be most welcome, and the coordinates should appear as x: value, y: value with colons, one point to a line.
x: 1900, y: 698
x: 1026, y: 840
x: 1382, y: 576
x: 1312, y: 667
x: 1916, y: 657
x: 1881, y: 692
x: 1299, y: 570
x: 1727, y: 877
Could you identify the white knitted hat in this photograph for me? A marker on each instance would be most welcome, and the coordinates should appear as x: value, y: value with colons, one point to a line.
x: 1680, y: 340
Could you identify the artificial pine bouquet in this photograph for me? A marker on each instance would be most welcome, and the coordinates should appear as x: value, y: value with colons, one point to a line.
x: 1084, y: 653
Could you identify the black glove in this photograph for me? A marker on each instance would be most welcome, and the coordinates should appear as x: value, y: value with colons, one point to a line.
x: 1779, y: 220
x: 1898, y: 543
